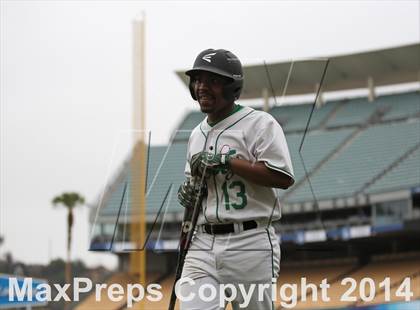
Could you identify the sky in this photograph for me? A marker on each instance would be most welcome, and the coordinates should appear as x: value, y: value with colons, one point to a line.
x: 66, y: 89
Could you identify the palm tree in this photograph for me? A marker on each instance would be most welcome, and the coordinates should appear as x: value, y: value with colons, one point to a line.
x: 69, y: 200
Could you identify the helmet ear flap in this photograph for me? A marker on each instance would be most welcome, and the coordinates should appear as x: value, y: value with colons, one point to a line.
x: 233, y: 90
x: 191, y: 87
x: 228, y: 94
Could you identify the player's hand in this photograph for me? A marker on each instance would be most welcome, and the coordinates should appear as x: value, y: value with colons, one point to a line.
x: 208, y: 164
x: 189, y: 193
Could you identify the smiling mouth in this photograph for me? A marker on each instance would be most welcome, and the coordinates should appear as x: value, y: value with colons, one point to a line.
x: 205, y: 97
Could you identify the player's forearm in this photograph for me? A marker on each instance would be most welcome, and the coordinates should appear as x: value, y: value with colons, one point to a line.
x: 259, y: 174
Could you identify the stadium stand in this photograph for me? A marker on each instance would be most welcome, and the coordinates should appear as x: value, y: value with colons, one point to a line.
x: 353, y: 167
x: 294, y: 117
x: 404, y: 175
x: 402, y: 105
x: 168, y: 169
x: 346, y: 115
x: 318, y: 146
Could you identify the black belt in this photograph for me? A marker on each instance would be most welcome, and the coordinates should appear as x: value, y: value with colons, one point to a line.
x: 219, y: 229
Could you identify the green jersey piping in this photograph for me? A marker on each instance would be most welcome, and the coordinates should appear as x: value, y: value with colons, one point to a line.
x: 204, y: 147
x: 217, y: 199
x: 205, y: 136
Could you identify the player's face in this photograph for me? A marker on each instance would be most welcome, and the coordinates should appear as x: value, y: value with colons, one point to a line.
x: 208, y: 89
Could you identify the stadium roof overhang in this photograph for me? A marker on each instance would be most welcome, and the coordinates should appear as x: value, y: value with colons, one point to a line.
x: 379, y: 67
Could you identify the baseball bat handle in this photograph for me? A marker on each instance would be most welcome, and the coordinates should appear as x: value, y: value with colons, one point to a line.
x: 191, y: 216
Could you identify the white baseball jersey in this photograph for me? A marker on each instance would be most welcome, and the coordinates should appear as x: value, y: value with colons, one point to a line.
x: 246, y: 134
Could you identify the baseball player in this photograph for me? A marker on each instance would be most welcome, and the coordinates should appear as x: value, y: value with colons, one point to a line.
x: 242, y: 155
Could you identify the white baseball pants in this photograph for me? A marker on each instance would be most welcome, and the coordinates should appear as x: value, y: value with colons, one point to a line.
x: 239, y: 266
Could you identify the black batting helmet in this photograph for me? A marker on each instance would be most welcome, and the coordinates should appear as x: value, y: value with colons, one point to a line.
x: 221, y: 62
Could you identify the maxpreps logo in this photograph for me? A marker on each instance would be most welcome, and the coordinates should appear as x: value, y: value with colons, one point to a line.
x: 207, y: 57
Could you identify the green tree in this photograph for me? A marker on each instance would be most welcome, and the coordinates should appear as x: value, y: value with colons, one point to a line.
x: 69, y: 201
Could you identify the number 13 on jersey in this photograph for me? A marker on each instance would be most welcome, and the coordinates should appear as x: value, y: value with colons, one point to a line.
x: 236, y: 188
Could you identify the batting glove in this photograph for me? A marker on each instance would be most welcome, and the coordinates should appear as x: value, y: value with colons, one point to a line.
x: 189, y: 193
x: 209, y: 163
